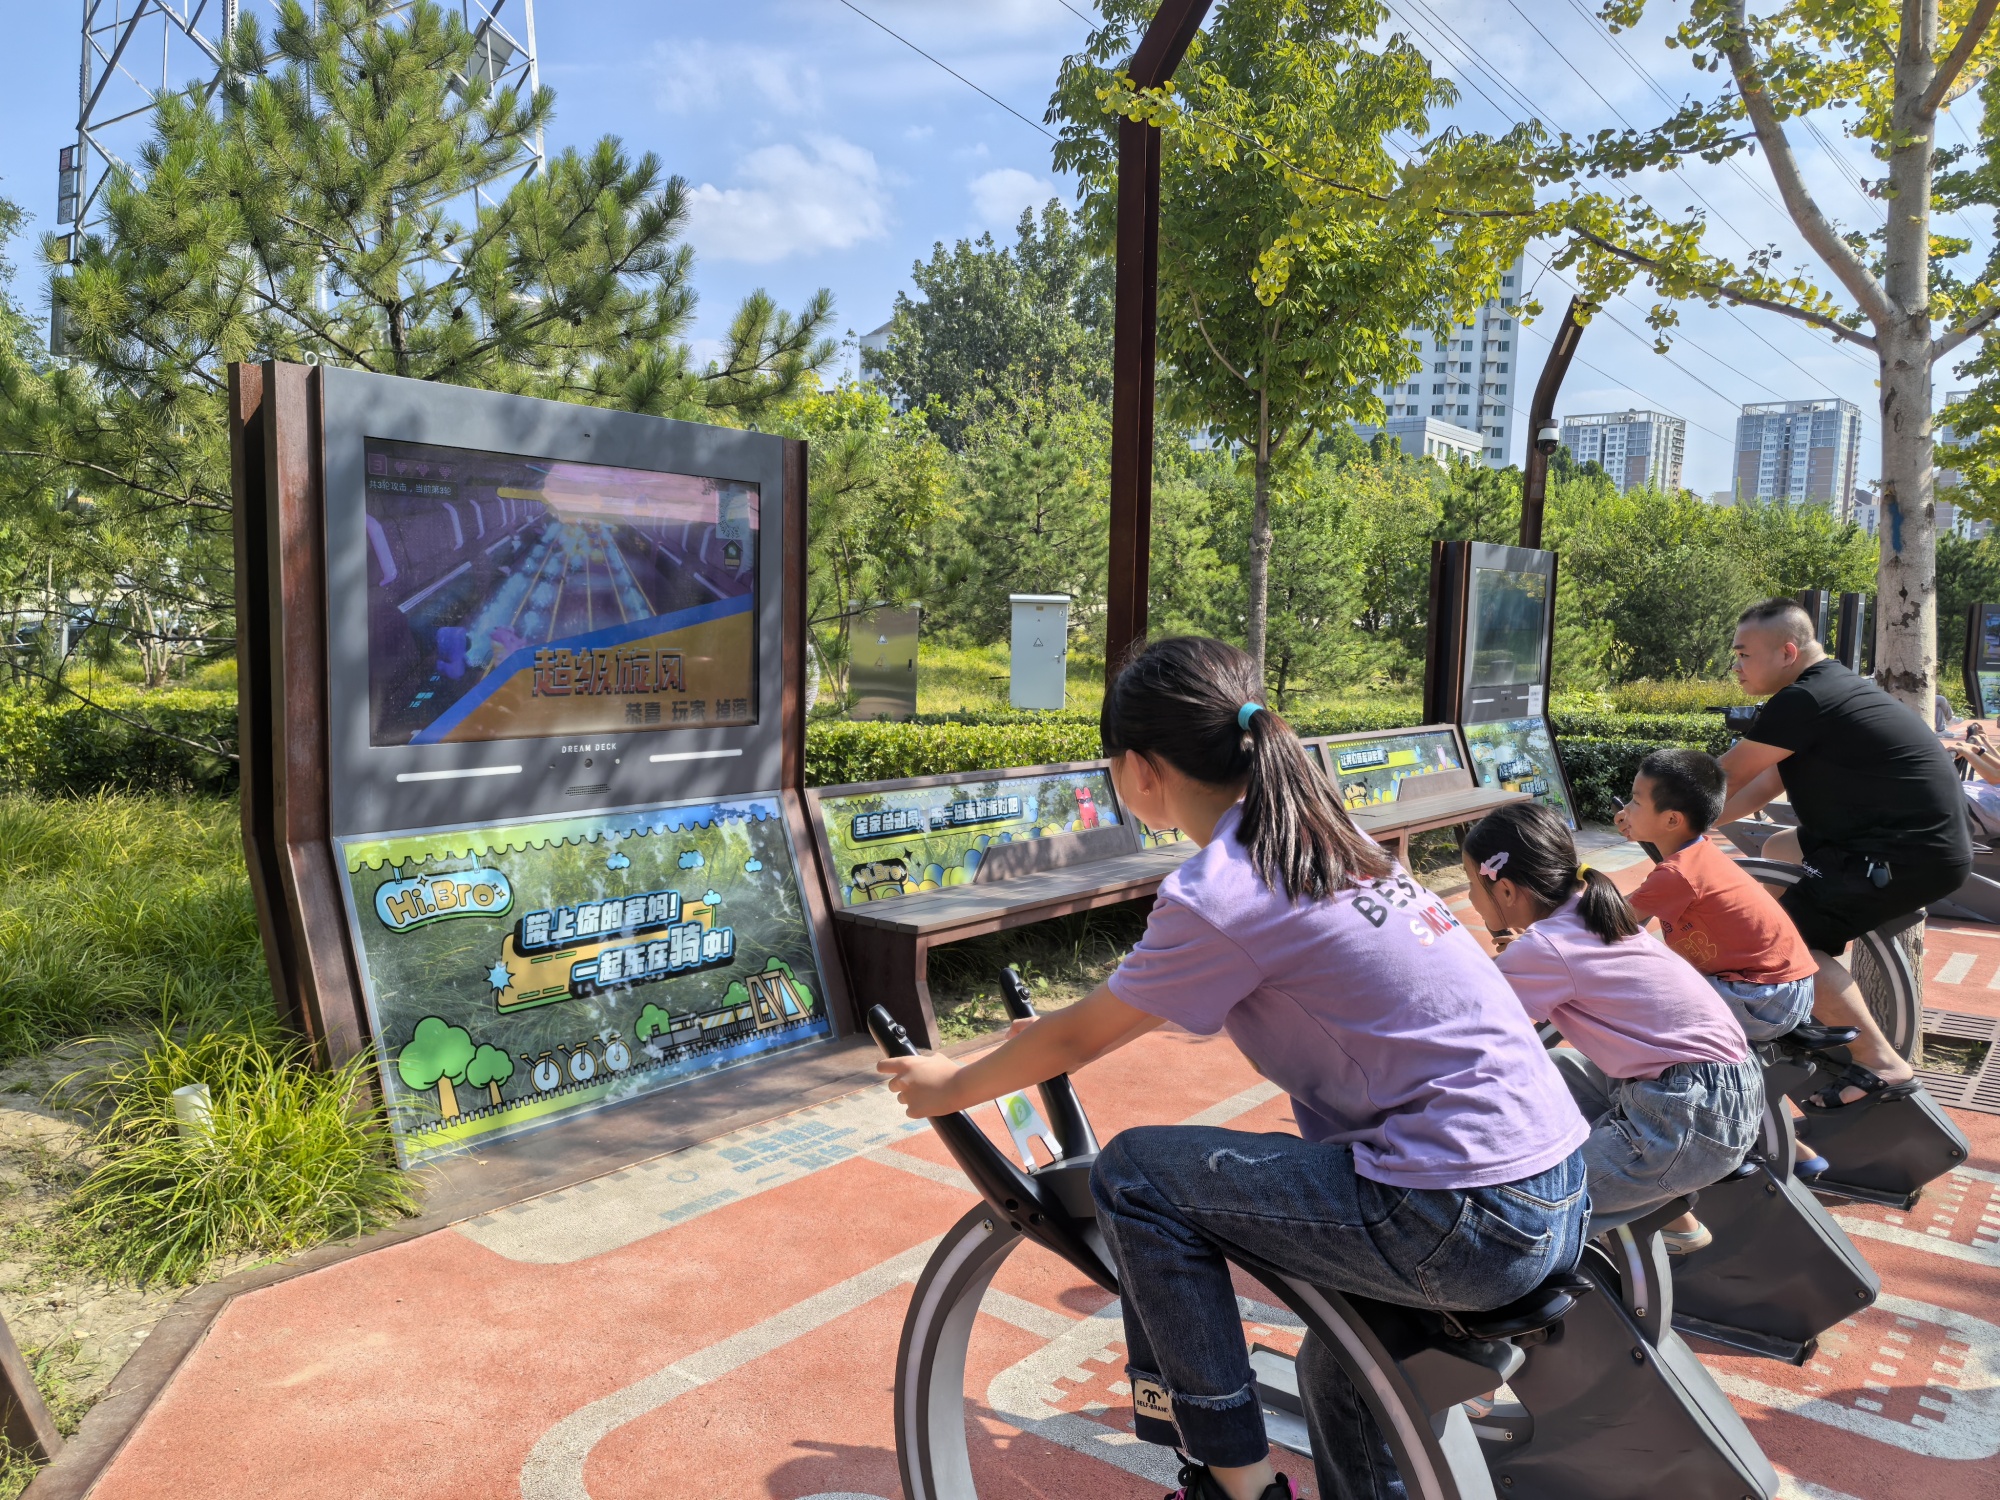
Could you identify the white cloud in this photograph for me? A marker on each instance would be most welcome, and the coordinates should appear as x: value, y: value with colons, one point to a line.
x: 793, y: 202
x: 999, y: 196
x: 697, y: 76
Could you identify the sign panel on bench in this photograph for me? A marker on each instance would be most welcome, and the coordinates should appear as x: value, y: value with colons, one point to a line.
x: 530, y: 970
x: 902, y: 840
x: 1374, y: 770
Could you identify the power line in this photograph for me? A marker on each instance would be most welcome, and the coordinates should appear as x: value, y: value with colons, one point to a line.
x: 1032, y: 125
x: 1466, y: 52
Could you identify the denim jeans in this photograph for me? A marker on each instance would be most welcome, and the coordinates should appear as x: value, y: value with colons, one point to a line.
x: 1175, y: 1201
x: 1766, y: 1010
x: 1652, y: 1139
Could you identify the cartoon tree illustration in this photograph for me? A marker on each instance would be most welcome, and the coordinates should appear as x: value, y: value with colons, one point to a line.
x: 489, y: 1068
x: 437, y: 1057
x: 652, y: 1022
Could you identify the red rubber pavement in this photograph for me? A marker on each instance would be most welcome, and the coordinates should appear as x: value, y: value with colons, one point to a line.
x: 724, y: 1322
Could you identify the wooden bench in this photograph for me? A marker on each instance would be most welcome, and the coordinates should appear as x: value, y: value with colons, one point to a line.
x: 1398, y: 783
x: 869, y: 832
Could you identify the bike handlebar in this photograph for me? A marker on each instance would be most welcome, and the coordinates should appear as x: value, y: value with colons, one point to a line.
x: 1059, y: 1101
x: 1027, y: 1205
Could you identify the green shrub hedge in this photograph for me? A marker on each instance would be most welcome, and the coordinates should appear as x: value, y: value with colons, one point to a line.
x: 68, y: 749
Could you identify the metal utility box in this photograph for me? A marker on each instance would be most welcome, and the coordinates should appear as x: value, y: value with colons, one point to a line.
x: 1040, y: 662
x: 883, y: 667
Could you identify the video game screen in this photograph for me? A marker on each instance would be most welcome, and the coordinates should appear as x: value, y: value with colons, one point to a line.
x: 1506, y: 638
x: 524, y: 972
x: 1520, y: 755
x: 514, y: 597
x: 1371, y: 772
x: 896, y: 843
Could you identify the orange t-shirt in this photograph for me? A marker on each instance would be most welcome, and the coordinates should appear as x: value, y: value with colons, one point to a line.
x: 1720, y: 920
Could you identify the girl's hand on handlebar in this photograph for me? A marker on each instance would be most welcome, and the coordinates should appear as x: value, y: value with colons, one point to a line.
x: 926, y: 1086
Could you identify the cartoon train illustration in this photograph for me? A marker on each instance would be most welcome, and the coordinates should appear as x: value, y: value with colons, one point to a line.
x: 772, y: 1001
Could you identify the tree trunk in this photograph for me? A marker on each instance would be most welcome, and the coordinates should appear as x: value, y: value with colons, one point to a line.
x: 1906, y: 580
x: 447, y: 1098
x: 1260, y: 538
x: 493, y: 1092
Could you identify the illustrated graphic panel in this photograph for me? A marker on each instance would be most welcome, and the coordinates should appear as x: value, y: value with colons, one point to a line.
x: 911, y: 839
x: 513, y: 597
x: 1519, y: 754
x: 1371, y: 772
x: 525, y: 972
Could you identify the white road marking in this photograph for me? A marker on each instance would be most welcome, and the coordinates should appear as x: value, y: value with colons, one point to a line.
x: 1968, y: 1432
x: 554, y: 1470
x: 1955, y: 969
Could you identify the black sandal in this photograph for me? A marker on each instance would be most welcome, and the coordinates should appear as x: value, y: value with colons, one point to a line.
x: 1854, y: 1076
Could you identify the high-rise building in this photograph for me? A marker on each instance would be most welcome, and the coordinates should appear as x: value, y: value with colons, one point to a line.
x: 1799, y: 450
x: 1636, y: 448
x: 1467, y: 379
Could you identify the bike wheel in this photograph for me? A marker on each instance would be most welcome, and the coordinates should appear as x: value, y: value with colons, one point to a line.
x: 1885, y: 966
x: 932, y: 1450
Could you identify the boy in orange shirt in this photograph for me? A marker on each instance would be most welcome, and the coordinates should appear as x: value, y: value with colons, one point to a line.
x: 1710, y: 911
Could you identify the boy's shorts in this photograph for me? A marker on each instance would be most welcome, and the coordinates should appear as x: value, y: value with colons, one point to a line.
x: 1766, y: 1010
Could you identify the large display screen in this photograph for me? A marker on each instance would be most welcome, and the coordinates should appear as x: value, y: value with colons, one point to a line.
x: 1371, y: 772
x: 525, y: 972
x: 1508, y: 610
x: 904, y: 840
x: 513, y: 597
x: 1520, y: 755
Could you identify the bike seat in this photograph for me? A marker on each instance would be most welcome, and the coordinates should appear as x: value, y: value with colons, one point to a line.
x: 1812, y: 1036
x: 1541, y: 1307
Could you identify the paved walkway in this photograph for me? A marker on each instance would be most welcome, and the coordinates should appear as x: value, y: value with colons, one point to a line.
x: 724, y: 1322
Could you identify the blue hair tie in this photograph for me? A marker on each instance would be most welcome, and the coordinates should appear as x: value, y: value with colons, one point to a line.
x: 1245, y: 714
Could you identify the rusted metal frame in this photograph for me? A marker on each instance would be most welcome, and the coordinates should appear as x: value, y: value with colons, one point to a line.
x: 256, y: 741
x: 325, y: 1001
x: 1134, y: 338
x: 1541, y: 412
x: 24, y: 1417
x: 843, y: 1006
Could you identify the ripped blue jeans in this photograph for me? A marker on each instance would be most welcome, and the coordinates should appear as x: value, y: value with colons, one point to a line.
x: 1174, y: 1201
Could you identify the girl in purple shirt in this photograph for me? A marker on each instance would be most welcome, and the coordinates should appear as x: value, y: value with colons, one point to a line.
x: 1658, y: 1062
x: 1439, y: 1165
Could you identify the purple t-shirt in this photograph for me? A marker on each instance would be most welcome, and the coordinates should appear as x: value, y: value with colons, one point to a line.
x: 1374, y: 1009
x: 1635, y: 1007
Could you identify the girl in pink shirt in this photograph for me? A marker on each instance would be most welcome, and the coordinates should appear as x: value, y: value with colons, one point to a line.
x: 1657, y: 1061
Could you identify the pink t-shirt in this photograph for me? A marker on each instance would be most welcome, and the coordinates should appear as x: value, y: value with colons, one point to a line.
x: 1635, y: 1007
x: 1374, y: 1009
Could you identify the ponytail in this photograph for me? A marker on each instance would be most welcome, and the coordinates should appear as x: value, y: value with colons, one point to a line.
x: 1530, y: 845
x: 1192, y: 701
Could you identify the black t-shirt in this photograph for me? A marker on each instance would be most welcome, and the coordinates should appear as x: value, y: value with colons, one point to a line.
x: 1866, y: 774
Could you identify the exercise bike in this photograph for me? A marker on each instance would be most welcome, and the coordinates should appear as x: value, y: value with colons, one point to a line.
x: 1597, y: 1396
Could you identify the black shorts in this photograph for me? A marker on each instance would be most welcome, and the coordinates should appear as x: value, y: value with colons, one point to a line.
x: 1837, y: 902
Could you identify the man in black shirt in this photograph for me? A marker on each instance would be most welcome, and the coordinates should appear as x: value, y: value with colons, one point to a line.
x: 1882, y: 823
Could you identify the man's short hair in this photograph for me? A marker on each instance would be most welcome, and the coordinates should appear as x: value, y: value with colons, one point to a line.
x: 1687, y: 782
x: 1784, y: 615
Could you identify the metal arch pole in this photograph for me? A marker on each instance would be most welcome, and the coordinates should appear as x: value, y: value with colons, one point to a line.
x: 1535, y: 477
x: 1135, y: 324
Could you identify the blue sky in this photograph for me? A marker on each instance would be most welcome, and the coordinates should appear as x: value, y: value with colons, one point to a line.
x: 822, y: 152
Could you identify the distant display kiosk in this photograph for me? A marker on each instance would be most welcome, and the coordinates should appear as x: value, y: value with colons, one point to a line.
x: 1487, y: 664
x: 1982, y: 660
x: 523, y: 744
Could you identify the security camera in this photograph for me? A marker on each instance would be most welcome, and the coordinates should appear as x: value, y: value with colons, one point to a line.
x: 1548, y: 439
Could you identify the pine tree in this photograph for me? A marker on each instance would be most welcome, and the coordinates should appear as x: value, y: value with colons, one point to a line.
x: 354, y: 194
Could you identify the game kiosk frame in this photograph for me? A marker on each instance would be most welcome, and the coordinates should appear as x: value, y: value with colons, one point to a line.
x: 1982, y: 660
x: 1488, y: 662
x: 522, y: 737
